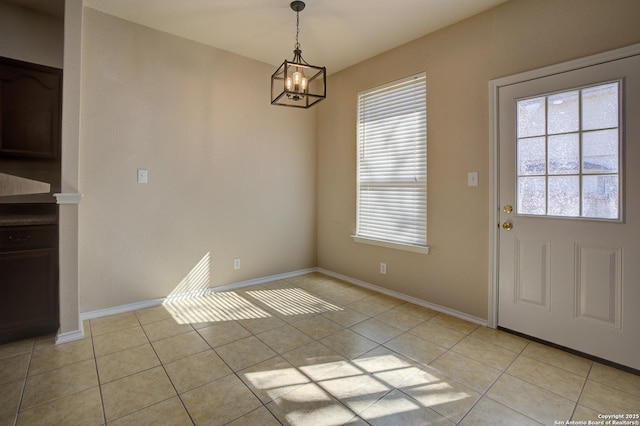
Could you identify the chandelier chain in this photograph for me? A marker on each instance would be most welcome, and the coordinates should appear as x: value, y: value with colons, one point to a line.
x: 297, y: 29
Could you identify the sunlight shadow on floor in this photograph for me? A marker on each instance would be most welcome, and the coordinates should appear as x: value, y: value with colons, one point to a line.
x: 370, y: 386
x: 226, y: 306
x: 292, y: 301
x: 193, y: 301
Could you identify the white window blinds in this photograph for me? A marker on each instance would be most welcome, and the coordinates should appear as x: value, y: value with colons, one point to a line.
x: 392, y: 163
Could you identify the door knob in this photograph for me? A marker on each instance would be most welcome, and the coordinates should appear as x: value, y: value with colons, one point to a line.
x: 507, y: 209
x: 507, y: 226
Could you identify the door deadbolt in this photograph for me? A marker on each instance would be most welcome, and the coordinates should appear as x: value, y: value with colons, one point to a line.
x: 507, y: 208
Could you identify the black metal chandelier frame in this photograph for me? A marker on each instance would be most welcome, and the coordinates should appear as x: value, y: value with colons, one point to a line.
x: 297, y: 83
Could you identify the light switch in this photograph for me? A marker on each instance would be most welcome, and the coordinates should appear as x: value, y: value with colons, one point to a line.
x: 472, y: 179
x: 142, y: 176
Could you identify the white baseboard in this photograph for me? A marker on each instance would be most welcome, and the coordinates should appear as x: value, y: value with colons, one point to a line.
x: 155, y: 302
x: 79, y: 334
x: 121, y: 309
x: 70, y: 336
x: 405, y: 297
x: 258, y: 281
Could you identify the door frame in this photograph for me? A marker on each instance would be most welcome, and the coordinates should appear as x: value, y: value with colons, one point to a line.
x: 494, y: 162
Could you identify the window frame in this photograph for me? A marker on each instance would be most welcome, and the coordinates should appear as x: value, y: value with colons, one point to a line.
x: 580, y: 174
x: 408, y: 83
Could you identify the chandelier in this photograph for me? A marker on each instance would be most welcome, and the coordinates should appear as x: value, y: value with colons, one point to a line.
x: 296, y: 83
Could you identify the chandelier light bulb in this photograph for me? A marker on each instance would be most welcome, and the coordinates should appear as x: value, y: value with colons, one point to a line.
x: 299, y: 82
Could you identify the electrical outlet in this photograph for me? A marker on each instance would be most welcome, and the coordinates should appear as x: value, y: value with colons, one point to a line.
x: 383, y: 268
x: 236, y: 263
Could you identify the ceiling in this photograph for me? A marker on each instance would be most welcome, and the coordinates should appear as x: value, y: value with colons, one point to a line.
x: 333, y: 33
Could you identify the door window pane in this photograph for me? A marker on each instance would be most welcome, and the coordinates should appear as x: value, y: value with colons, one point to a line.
x: 600, y: 196
x: 531, y: 156
x: 600, y: 107
x: 564, y: 154
x: 563, y: 113
x: 564, y: 196
x: 600, y: 151
x: 568, y: 157
x: 531, y: 121
x: 532, y: 195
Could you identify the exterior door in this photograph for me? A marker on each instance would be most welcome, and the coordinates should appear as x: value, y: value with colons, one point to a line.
x: 569, y: 198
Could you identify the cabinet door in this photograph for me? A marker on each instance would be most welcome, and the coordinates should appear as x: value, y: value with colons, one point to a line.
x: 28, y: 293
x: 29, y: 111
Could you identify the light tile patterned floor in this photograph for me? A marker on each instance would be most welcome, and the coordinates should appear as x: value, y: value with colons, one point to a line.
x: 310, y: 350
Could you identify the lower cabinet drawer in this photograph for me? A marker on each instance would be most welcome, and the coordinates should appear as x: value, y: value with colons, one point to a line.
x: 26, y: 237
x: 28, y: 281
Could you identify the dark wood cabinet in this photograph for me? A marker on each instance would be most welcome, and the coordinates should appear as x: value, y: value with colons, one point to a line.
x: 28, y: 281
x: 30, y: 108
x: 30, y: 124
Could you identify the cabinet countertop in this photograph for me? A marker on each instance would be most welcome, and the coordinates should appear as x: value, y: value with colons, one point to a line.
x: 28, y: 214
x: 27, y: 220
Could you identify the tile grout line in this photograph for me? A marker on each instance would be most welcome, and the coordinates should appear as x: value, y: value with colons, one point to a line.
x: 128, y: 375
x: 486, y: 391
x: 165, y: 371
x: 577, y: 401
x: 584, y: 385
x: 24, y: 383
x: 447, y: 350
x: 42, y: 373
x: 540, y: 387
x: 235, y: 373
x: 279, y: 354
x: 383, y: 345
x: 95, y: 363
x: 315, y: 382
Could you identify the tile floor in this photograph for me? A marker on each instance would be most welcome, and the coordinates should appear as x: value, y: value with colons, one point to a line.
x: 310, y: 350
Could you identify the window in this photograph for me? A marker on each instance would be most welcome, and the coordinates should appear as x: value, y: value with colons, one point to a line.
x: 568, y: 153
x: 392, y: 165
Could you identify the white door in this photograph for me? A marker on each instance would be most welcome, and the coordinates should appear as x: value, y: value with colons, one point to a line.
x: 569, y: 245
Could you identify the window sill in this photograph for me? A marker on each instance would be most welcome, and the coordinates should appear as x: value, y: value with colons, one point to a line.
x: 389, y: 244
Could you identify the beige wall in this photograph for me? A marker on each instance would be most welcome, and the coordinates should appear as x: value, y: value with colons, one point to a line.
x: 30, y: 36
x: 229, y: 175
x: 459, y: 61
